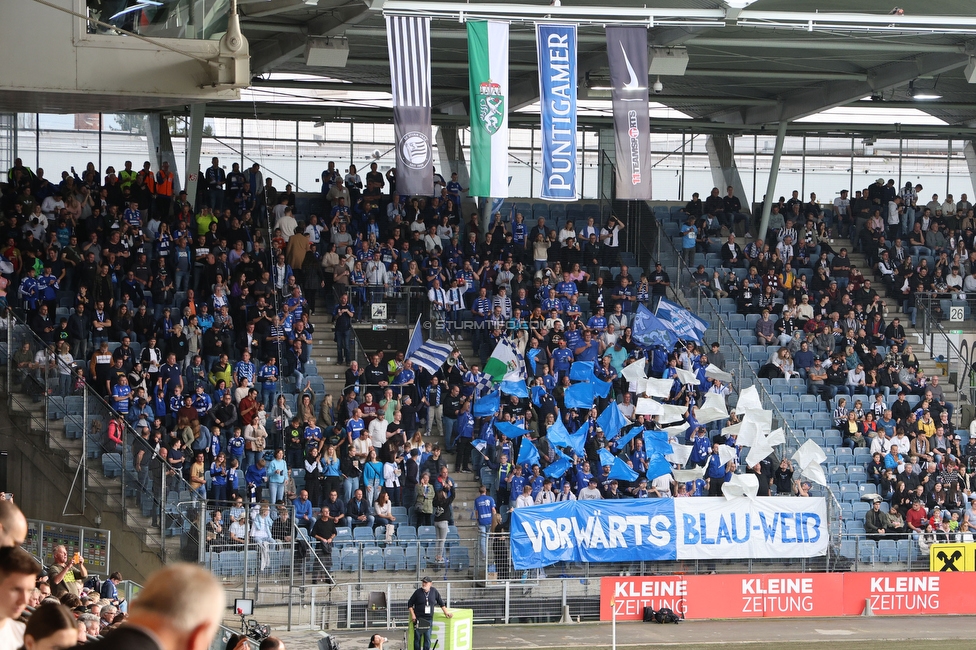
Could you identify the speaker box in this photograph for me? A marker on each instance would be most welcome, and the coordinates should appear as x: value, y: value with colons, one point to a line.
x: 971, y: 70
x: 669, y: 61
x: 330, y: 52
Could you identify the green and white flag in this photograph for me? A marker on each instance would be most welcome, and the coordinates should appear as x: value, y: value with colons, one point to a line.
x: 488, y: 79
x: 505, y: 363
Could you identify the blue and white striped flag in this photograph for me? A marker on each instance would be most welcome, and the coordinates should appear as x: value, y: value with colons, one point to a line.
x: 431, y: 356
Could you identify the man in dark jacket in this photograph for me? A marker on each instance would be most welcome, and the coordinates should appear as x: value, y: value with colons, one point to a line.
x: 358, y: 511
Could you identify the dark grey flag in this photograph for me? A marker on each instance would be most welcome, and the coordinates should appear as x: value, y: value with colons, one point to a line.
x: 627, y: 52
x: 408, y: 39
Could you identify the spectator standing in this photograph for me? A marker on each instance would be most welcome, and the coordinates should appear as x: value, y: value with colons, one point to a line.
x: 421, y: 606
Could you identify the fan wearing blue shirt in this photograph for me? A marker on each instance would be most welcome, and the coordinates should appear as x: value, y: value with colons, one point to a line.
x: 583, y: 476
x: 588, y: 349
x: 597, y: 321
x: 121, y: 394
x: 566, y: 288
x: 235, y: 445
x: 268, y: 376
x: 313, y: 437
x: 244, y: 369
x: 484, y: 506
x: 202, y: 402
x: 715, y: 472
x: 699, y: 449
x: 562, y: 357
x: 689, y: 240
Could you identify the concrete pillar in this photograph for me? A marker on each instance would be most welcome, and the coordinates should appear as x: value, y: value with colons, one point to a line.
x: 771, y: 182
x: 197, y: 113
x: 608, y: 153
x: 450, y: 156
x: 724, y: 171
x: 969, y: 150
x: 160, y: 145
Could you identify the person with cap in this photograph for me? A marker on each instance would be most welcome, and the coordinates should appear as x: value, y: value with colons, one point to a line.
x: 659, y: 281
x: 876, y: 521
x: 421, y: 606
x: 591, y: 492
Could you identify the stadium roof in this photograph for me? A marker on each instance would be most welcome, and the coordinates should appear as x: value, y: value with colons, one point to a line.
x: 751, y: 64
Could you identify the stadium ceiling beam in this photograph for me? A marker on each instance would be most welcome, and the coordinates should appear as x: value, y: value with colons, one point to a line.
x: 809, y: 21
x: 338, y: 86
x: 813, y: 100
x: 266, y: 55
x: 312, y: 112
x: 844, y: 45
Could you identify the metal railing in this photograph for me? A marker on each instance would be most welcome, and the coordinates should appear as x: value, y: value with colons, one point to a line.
x: 74, y: 422
x: 94, y: 544
x: 955, y: 361
x: 403, y: 305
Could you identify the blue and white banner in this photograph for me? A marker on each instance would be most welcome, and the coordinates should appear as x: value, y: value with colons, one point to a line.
x: 685, y: 325
x: 556, y: 46
x: 699, y: 528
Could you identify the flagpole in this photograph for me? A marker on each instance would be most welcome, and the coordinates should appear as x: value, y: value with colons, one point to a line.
x: 613, y: 625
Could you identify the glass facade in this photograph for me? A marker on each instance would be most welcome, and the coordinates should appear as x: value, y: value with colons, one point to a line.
x: 297, y: 152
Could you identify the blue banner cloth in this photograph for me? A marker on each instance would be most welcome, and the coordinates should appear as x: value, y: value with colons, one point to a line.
x: 648, y: 330
x: 579, y: 396
x: 622, y: 471
x: 656, y: 442
x: 611, y: 420
x: 556, y: 48
x: 487, y: 405
x: 657, y: 465
x: 528, y: 454
x: 683, y: 323
x: 510, y: 430
x: 517, y: 388
x: 581, y: 371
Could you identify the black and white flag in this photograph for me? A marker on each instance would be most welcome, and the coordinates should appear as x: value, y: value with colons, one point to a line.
x: 408, y: 39
x: 627, y: 52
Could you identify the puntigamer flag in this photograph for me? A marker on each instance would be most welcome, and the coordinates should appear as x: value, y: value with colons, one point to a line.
x: 408, y: 42
x: 627, y: 53
x: 488, y: 79
x: 556, y: 46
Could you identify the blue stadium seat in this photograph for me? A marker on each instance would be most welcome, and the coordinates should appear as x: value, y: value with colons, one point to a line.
x: 394, y: 559
x: 406, y: 535
x: 887, y: 551
x: 459, y: 558
x: 848, y: 549
x: 349, y: 559
x: 372, y: 559
x: 867, y: 550
x: 426, y: 534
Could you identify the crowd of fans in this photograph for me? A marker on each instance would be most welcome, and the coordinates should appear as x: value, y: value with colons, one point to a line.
x: 826, y: 323
x: 217, y: 297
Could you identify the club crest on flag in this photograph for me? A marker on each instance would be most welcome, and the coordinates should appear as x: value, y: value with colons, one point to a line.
x: 491, y: 106
x: 415, y: 150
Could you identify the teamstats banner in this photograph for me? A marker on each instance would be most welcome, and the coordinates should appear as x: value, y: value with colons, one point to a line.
x: 408, y: 42
x: 668, y: 529
x: 556, y: 45
x: 627, y: 52
x: 488, y: 81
